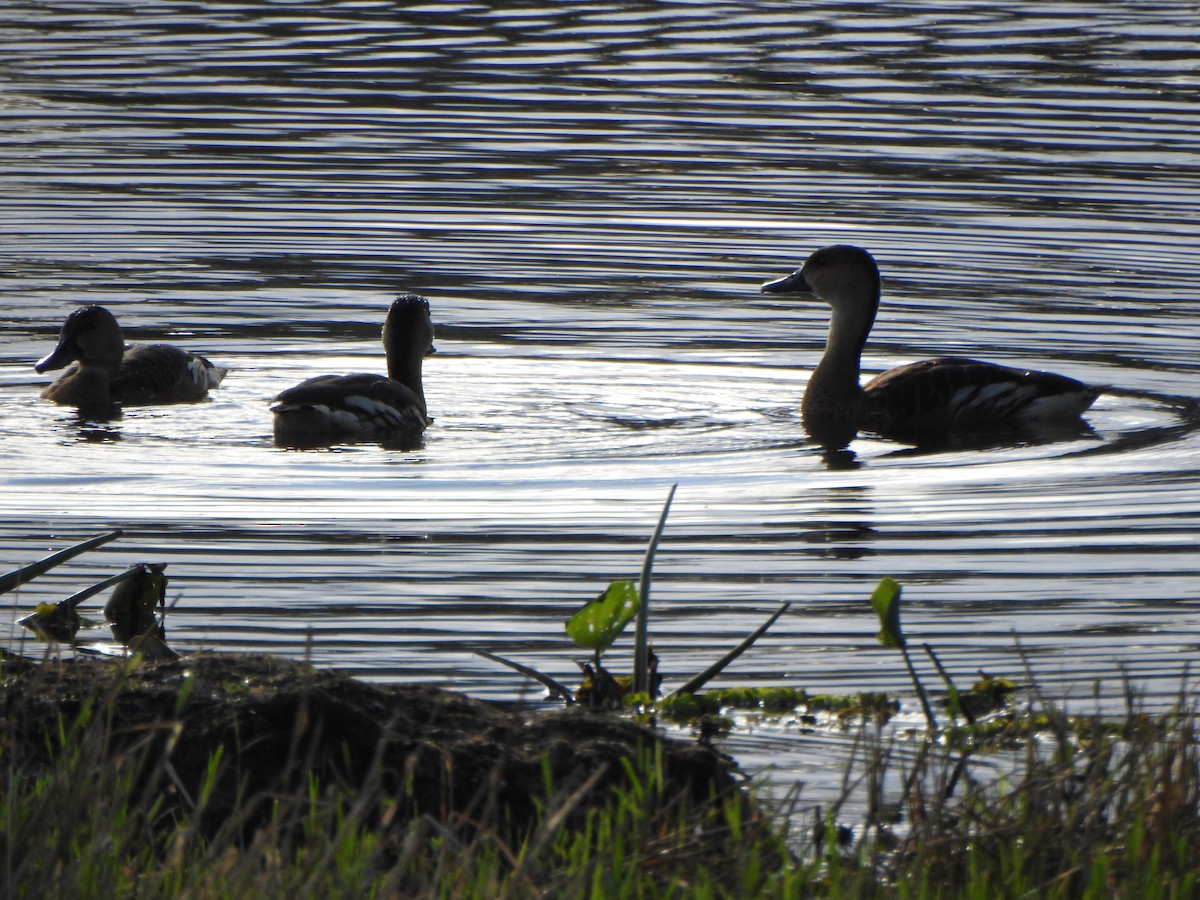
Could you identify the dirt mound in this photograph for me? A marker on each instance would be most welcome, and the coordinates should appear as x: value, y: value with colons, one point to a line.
x: 278, y: 724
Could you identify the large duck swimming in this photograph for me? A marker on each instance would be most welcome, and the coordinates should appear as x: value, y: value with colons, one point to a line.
x: 329, y: 408
x: 106, y: 372
x: 918, y: 402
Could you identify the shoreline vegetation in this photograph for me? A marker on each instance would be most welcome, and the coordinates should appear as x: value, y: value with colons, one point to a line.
x: 222, y: 775
x: 217, y: 775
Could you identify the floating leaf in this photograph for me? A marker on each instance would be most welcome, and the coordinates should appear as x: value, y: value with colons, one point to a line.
x: 886, y: 601
x: 597, y: 625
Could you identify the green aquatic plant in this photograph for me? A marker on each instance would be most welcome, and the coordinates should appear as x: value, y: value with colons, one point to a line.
x: 139, y: 594
x: 594, y: 628
x: 641, y: 638
x: 989, y: 694
x: 768, y: 699
x: 133, y: 609
x: 886, y: 602
x: 60, y: 621
x: 601, y: 621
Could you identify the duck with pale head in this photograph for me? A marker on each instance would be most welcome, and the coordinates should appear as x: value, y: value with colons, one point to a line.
x: 922, y: 402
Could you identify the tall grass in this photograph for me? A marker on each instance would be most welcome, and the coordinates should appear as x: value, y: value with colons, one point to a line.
x: 1097, y: 811
x: 99, y: 811
x: 1086, y: 808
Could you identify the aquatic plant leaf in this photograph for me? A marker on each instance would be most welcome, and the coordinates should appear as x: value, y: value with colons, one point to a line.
x: 76, y: 599
x: 132, y: 606
x: 597, y: 625
x: 53, y: 622
x: 60, y: 622
x: 886, y: 601
x: 641, y: 634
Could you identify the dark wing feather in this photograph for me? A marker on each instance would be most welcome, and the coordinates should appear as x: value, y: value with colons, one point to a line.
x: 952, y: 392
x: 162, y: 373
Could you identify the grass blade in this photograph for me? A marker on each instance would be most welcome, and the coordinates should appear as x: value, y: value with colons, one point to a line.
x: 921, y: 695
x: 956, y: 704
x: 703, y: 678
x: 555, y: 687
x: 641, y: 638
x: 18, y: 577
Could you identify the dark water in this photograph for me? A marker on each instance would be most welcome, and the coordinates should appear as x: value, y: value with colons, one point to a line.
x: 590, y: 195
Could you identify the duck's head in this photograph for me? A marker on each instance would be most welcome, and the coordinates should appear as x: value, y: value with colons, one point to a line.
x: 408, y: 329
x: 842, y: 275
x: 90, y: 335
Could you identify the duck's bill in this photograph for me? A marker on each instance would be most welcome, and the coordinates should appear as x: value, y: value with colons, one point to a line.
x: 787, y: 284
x: 62, y: 355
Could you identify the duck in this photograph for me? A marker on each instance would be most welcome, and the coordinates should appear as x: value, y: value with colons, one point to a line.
x: 106, y: 372
x: 920, y: 402
x: 328, y: 408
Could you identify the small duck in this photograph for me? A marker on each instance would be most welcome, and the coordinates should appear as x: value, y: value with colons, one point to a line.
x: 365, y: 407
x: 107, y: 372
x: 919, y: 402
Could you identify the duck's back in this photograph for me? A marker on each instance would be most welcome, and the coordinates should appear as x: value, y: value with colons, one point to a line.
x: 162, y: 373
x: 954, y: 392
x: 361, y: 405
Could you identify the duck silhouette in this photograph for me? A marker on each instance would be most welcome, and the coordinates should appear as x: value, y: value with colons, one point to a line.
x: 104, y: 371
x: 329, y: 408
x: 919, y: 402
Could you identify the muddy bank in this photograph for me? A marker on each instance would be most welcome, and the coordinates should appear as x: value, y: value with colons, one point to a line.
x: 279, y: 723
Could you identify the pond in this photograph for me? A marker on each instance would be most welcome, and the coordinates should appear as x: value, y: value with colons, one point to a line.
x: 590, y: 195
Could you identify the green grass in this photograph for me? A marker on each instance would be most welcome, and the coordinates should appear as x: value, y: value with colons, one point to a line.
x: 101, y: 815
x: 1110, y: 810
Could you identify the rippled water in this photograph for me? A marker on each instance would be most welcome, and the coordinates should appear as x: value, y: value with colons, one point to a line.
x: 590, y: 195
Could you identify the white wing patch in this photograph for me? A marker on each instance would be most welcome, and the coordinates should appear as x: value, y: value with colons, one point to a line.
x: 203, y: 373
x: 383, y: 416
x: 998, y: 399
x: 1057, y: 406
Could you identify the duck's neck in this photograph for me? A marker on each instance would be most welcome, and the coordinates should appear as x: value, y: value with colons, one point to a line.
x: 85, y: 386
x: 404, y: 366
x: 835, y: 381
